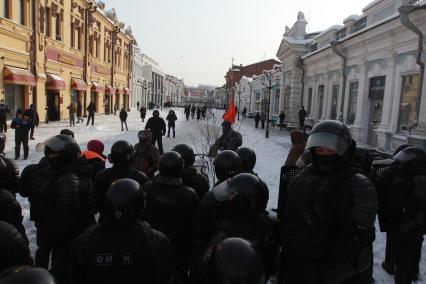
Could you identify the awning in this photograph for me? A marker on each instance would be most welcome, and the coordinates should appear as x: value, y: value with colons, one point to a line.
x: 97, y: 88
x: 126, y: 91
x: 78, y: 84
x: 118, y: 91
x: 55, y: 82
x: 18, y: 76
x: 109, y: 90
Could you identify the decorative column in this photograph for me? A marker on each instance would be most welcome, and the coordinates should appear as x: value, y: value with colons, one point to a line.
x: 359, y: 128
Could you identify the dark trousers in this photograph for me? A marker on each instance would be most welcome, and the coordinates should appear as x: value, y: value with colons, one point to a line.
x: 263, y: 124
x: 389, y: 257
x: 125, y: 123
x: 61, y: 268
x: 301, y: 123
x: 79, y: 119
x: 91, y: 116
x: 21, y: 138
x: 72, y: 120
x: 187, y: 116
x: 159, y: 141
x: 281, y: 125
x: 171, y: 127
x: 32, y: 131
x: 42, y: 256
x: 256, y: 123
x: 3, y: 125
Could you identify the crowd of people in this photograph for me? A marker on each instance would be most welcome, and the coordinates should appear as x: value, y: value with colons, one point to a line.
x: 153, y: 217
x: 191, y: 110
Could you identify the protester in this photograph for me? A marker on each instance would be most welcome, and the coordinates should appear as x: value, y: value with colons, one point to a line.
x: 34, y: 119
x: 143, y: 113
x: 71, y: 112
x: 4, y: 110
x: 256, y: 119
x: 171, y: 118
x: 147, y: 155
x: 22, y: 124
x: 91, y: 108
x: 281, y: 119
x: 302, y: 115
x: 123, y: 118
x: 94, y: 156
x: 157, y: 126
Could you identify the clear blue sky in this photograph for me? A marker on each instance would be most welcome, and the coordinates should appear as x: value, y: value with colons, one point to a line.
x: 197, y: 39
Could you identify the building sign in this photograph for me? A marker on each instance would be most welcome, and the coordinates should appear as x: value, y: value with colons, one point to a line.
x: 66, y: 59
x: 101, y: 70
x: 62, y: 57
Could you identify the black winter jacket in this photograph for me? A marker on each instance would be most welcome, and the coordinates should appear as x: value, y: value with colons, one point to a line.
x: 157, y: 126
x: 110, y: 254
x: 196, y: 181
x: 171, y: 118
x: 10, y: 211
x: 123, y: 115
x: 106, y: 177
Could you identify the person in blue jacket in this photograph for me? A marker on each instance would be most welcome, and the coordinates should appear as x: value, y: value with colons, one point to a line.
x: 22, y: 125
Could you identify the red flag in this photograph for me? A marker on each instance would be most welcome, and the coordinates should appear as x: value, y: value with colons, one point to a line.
x: 230, y: 113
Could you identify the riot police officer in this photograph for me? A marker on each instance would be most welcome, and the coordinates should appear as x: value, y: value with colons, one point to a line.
x: 171, y: 208
x: 9, y: 172
x: 121, y: 248
x: 329, y: 220
x: 226, y: 164
x: 10, y: 211
x: 26, y: 274
x: 190, y: 177
x: 405, y: 209
x: 121, y: 157
x: 231, y: 261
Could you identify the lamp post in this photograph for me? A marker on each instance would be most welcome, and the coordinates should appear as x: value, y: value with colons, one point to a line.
x: 239, y: 91
x: 267, y: 79
x: 145, y: 87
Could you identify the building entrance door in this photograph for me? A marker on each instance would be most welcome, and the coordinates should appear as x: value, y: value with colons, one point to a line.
x: 53, y: 113
x: 377, y: 91
x: 107, y: 105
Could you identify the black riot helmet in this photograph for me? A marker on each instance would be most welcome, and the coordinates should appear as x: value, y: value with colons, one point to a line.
x: 248, y: 158
x: 125, y: 202
x: 171, y: 165
x: 411, y: 158
x: 234, y: 261
x: 13, y: 247
x: 226, y: 164
x: 248, y: 193
x: 187, y: 154
x: 2, y: 142
x: 121, y: 153
x: 61, y: 150
x: 26, y: 274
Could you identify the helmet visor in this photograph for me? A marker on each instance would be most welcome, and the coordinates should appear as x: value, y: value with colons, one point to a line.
x: 327, y: 140
x: 223, y: 191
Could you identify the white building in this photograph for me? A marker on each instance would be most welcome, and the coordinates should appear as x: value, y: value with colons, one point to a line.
x: 363, y: 73
x: 138, y: 79
x: 153, y: 83
x: 174, y: 90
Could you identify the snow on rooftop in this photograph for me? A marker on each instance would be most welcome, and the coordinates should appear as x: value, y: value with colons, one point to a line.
x: 371, y: 5
x: 332, y: 28
x: 351, y: 18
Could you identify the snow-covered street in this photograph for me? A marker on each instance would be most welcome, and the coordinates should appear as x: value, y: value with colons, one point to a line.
x: 271, y: 154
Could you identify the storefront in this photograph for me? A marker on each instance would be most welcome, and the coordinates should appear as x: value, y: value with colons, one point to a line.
x: 54, y: 85
x: 17, y: 83
x: 126, y: 93
x: 109, y: 94
x: 118, y: 92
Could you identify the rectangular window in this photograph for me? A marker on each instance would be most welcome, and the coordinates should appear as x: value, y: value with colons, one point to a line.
x: 72, y: 34
x: 79, y: 37
x: 353, y: 97
x: 360, y: 24
x: 320, y: 100
x: 308, y: 107
x: 47, y: 27
x: 58, y: 27
x: 334, y: 96
x: 21, y: 12
x: 98, y: 44
x: 408, y: 105
x: 277, y: 101
x: 14, y: 99
x: 6, y: 9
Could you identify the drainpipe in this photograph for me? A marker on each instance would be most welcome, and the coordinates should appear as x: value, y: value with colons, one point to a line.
x: 299, y: 63
x: 404, y: 17
x: 34, y: 47
x: 334, y: 44
x: 88, y: 14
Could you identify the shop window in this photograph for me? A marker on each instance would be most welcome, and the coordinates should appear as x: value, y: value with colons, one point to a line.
x: 6, y: 9
x: 14, y: 99
x: 407, y: 108
x: 309, y: 105
x: 353, y: 97
x: 320, y: 100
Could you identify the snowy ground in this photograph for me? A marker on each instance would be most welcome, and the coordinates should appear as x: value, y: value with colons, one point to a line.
x: 271, y: 154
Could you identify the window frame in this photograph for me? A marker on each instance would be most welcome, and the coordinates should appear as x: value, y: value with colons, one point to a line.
x: 352, y: 108
x: 403, y: 76
x: 321, y: 100
x: 6, y: 9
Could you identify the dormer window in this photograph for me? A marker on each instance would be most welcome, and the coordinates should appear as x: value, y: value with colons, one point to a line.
x: 314, y: 46
x: 341, y: 33
x: 360, y: 24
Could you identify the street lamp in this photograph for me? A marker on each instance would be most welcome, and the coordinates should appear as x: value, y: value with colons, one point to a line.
x: 266, y: 80
x: 240, y: 90
x: 146, y: 86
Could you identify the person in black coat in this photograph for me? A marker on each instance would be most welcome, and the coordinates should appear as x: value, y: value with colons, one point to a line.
x: 281, y: 118
x: 34, y: 118
x: 10, y: 211
x: 4, y: 110
x: 198, y: 113
x: 66, y: 201
x: 91, y: 108
x: 256, y: 119
x: 302, y: 115
x: 9, y: 171
x: 187, y: 111
x: 143, y: 113
x: 121, y: 157
x: 123, y: 118
x: 14, y: 248
x: 328, y: 222
x: 79, y: 112
x: 171, y: 122
x: 122, y: 249
x: 158, y: 129
x: 22, y: 124
x: 171, y: 208
x: 190, y: 176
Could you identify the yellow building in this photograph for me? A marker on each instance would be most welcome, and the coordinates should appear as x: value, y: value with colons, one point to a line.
x: 79, y: 51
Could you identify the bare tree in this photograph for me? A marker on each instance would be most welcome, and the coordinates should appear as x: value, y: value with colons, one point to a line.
x: 209, y: 131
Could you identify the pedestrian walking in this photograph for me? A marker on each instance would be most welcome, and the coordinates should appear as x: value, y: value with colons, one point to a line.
x: 193, y: 110
x: 34, y: 119
x: 71, y: 112
x: 281, y: 118
x: 91, y: 110
x: 302, y: 115
x: 123, y: 118
x: 203, y: 112
x: 143, y: 113
x: 158, y: 129
x: 256, y: 119
x: 4, y: 110
x: 262, y: 119
x: 22, y: 125
x: 137, y: 105
x: 187, y: 111
x: 79, y: 112
x: 245, y: 112
x: 171, y: 119
x: 198, y: 113
x: 115, y: 108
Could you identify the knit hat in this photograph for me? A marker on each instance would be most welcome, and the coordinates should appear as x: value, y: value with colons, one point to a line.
x: 95, y: 146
